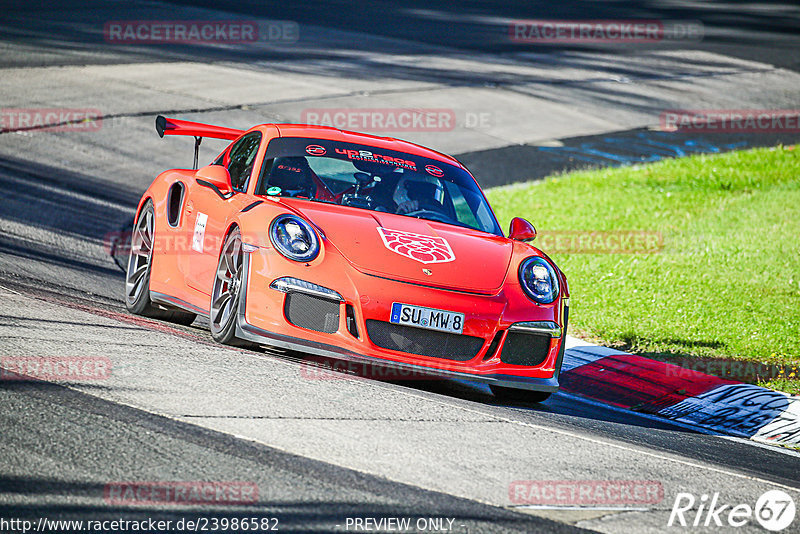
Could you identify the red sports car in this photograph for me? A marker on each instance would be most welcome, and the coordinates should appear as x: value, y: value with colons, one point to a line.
x: 349, y: 246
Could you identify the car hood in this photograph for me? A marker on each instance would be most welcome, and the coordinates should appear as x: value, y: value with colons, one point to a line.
x: 414, y: 250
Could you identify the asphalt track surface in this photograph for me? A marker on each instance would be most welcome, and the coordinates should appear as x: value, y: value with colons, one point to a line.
x: 180, y: 408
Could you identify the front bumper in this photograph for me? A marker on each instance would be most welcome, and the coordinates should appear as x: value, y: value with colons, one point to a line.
x: 261, y: 319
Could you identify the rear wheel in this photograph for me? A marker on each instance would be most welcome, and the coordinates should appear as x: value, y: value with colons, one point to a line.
x: 137, y: 275
x: 227, y: 290
x: 519, y: 395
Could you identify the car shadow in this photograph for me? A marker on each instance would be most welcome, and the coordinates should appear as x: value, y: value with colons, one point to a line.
x: 559, y: 405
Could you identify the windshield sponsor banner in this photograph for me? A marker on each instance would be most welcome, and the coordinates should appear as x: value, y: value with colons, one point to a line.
x: 368, y: 155
x: 199, y: 31
x: 731, y: 120
x: 51, y: 119
x: 364, y: 155
x: 55, y: 368
x: 603, y: 31
x: 585, y: 492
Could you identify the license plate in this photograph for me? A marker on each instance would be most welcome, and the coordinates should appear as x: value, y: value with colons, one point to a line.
x: 444, y: 321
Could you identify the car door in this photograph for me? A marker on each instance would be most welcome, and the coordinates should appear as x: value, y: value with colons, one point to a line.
x: 211, y: 213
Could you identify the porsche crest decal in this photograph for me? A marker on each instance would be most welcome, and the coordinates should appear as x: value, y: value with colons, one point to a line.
x: 422, y: 248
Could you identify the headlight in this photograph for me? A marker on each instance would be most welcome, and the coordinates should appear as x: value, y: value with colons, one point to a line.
x: 539, y: 280
x: 294, y: 238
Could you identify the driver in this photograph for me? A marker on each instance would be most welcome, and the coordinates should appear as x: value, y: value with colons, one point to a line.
x: 293, y: 176
x: 414, y: 194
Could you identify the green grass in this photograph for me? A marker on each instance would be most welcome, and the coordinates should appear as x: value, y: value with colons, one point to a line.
x: 726, y: 283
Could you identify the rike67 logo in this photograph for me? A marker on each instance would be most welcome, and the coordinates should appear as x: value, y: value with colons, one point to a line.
x: 774, y: 510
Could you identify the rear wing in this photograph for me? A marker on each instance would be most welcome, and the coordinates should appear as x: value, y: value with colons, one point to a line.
x: 198, y: 130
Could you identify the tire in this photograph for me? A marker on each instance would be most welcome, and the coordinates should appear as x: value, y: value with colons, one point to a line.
x: 227, y: 291
x: 137, y: 274
x: 519, y: 395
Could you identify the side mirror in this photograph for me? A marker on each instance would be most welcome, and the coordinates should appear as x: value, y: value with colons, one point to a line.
x: 216, y: 177
x: 521, y: 230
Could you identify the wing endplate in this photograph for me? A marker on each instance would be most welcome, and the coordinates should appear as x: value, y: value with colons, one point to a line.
x: 166, y: 126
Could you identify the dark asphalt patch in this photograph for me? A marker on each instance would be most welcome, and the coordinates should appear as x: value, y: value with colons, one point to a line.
x: 523, y: 163
x: 95, y: 443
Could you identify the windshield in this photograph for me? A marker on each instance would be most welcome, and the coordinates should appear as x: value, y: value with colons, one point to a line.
x: 364, y: 177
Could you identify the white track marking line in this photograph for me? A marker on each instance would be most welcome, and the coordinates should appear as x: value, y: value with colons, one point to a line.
x: 4, y: 288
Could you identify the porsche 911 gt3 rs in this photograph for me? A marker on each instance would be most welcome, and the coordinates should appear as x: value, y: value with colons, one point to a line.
x: 345, y: 245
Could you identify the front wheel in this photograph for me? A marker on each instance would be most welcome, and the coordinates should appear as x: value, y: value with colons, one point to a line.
x: 227, y: 291
x: 519, y: 395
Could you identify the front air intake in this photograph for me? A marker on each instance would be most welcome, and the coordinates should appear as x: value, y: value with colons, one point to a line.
x: 525, y: 349
x: 312, y: 312
x: 423, y: 342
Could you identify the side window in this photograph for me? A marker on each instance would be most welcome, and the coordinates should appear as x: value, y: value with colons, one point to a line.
x: 242, y: 157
